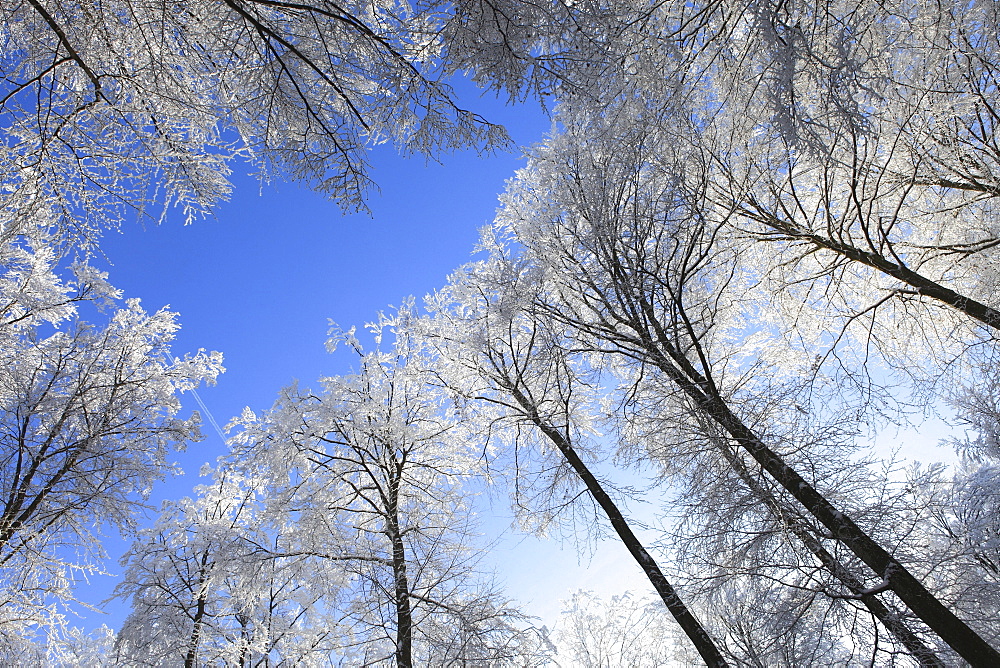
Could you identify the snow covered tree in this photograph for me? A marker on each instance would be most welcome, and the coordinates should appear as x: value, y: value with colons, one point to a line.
x: 625, y: 631
x: 629, y: 263
x: 369, y: 475
x: 853, y: 144
x: 947, y: 519
x: 124, y: 105
x: 760, y: 221
x: 77, y: 648
x: 88, y: 417
x: 211, y: 584
x: 514, y: 375
x: 542, y: 401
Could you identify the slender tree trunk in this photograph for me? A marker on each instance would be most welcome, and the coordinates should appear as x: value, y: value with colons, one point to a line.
x: 201, y: 604
x: 692, y: 627
x: 924, y: 655
x: 925, y: 605
x: 404, y: 616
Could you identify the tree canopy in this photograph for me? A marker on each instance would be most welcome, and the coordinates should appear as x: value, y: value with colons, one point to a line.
x: 757, y: 235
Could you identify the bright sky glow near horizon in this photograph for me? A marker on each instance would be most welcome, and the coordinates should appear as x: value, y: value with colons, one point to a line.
x: 261, y: 279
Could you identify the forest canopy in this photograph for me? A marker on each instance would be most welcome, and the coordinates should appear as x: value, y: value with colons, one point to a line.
x: 758, y: 235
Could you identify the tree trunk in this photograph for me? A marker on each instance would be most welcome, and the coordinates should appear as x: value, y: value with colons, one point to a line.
x: 191, y: 658
x: 404, y: 617
x: 692, y: 627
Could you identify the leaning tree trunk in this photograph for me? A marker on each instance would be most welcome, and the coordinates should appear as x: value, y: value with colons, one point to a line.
x: 688, y: 622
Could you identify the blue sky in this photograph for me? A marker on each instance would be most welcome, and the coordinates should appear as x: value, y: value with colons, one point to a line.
x: 261, y: 279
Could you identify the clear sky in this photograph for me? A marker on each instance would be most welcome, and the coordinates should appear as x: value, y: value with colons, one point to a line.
x: 260, y: 280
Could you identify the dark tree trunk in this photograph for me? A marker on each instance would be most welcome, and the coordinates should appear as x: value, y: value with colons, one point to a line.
x: 404, y: 617
x: 692, y: 627
x: 201, y: 605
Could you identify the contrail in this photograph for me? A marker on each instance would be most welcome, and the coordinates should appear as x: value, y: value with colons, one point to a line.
x: 208, y: 414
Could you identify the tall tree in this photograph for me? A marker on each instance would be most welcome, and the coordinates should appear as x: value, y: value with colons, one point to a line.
x: 530, y: 387
x: 535, y: 399
x: 371, y: 474
x: 88, y: 417
x: 630, y: 264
